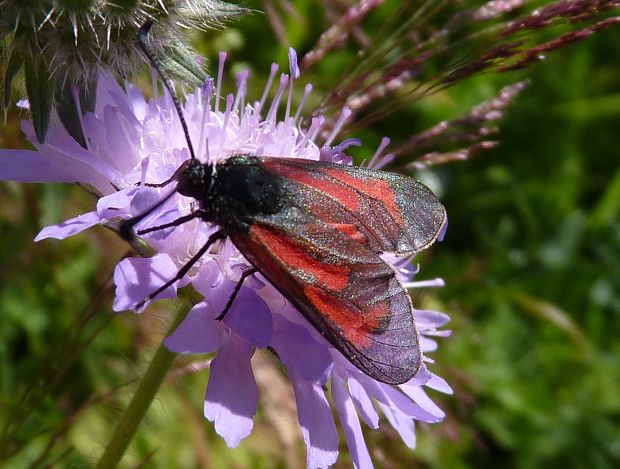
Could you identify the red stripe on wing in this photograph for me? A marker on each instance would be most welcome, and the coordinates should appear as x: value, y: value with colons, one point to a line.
x: 352, y: 231
x: 295, y: 256
x: 356, y: 326
x: 349, y: 198
x: 373, y: 187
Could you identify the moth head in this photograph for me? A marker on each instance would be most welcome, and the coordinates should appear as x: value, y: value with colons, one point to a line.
x: 193, y: 179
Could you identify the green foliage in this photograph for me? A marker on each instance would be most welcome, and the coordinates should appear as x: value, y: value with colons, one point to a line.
x: 534, y: 243
x: 531, y: 261
x: 38, y: 87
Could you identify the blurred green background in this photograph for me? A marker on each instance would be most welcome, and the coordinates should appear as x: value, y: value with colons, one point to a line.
x: 531, y: 261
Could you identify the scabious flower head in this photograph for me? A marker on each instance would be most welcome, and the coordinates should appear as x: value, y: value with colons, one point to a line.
x: 131, y: 141
x: 62, y: 46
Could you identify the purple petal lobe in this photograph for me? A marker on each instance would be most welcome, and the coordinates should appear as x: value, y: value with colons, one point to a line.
x: 144, y: 199
x: 115, y: 204
x: 123, y: 100
x: 404, y: 425
x: 137, y: 278
x: 119, y: 138
x: 232, y: 396
x: 363, y: 403
x: 350, y: 424
x: 442, y: 231
x: 249, y: 316
x: 69, y: 227
x: 427, y: 345
x: 29, y: 166
x: 426, y: 319
x: 421, y: 378
x: 207, y: 283
x: 300, y: 352
x: 394, y: 399
x: 79, y: 164
x: 317, y: 423
x: 137, y: 101
x: 158, y: 219
x: 439, y: 384
x: 198, y: 333
x: 106, y: 88
x: 421, y: 398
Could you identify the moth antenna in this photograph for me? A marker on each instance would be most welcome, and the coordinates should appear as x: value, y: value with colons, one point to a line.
x: 143, y: 39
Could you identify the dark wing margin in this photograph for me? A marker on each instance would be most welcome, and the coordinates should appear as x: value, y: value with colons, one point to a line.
x: 395, y: 213
x: 346, y: 291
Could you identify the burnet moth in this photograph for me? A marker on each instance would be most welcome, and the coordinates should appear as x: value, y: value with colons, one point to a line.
x: 316, y: 231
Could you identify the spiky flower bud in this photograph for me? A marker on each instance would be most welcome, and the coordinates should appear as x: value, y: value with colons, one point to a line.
x: 63, y: 44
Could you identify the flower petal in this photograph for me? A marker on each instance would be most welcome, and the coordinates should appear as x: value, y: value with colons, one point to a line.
x: 120, y: 135
x: 439, y: 384
x: 316, y: 421
x: 417, y: 394
x: 404, y: 425
x: 395, y: 399
x: 143, y: 199
x: 198, y: 333
x: 442, y: 232
x: 299, y: 351
x: 421, y: 378
x: 427, y: 319
x: 427, y: 345
x: 116, y: 204
x: 70, y: 227
x: 350, y: 424
x: 232, y: 396
x: 106, y: 87
x: 138, y: 103
x: 78, y: 163
x: 136, y: 278
x: 364, y: 403
x: 250, y: 317
x: 30, y: 166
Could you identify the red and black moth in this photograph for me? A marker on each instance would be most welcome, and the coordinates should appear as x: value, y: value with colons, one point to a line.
x: 316, y: 231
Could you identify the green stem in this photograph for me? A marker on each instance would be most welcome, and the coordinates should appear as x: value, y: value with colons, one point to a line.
x: 141, y: 401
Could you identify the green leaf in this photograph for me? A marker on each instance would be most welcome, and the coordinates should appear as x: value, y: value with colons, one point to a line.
x: 40, y: 90
x: 552, y: 313
x: 14, y: 64
x: 212, y: 12
x: 179, y: 61
x: 607, y: 209
x: 67, y: 107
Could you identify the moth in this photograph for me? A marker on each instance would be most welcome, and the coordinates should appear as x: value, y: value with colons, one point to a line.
x: 316, y: 231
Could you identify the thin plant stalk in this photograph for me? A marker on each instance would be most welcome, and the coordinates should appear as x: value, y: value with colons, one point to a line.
x: 141, y: 400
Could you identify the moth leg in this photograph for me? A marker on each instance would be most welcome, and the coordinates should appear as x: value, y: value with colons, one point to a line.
x: 246, y: 273
x: 177, y: 222
x: 126, y: 227
x: 160, y: 184
x: 156, y: 184
x: 218, y: 235
x: 173, y: 178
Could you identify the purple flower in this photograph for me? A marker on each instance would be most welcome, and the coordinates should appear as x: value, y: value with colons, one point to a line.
x: 131, y: 140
